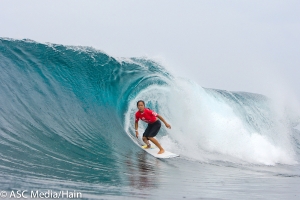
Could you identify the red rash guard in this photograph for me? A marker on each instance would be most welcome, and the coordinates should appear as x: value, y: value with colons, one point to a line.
x: 147, y: 116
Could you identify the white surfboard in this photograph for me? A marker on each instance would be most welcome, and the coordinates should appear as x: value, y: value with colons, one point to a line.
x: 154, y: 152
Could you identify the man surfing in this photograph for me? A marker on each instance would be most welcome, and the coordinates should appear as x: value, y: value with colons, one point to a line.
x: 150, y: 117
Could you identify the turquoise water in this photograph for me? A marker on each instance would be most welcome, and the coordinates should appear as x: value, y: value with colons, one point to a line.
x: 66, y: 123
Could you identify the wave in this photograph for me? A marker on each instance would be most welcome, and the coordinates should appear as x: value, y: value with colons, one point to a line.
x: 68, y: 112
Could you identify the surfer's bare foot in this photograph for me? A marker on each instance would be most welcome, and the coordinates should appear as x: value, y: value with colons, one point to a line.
x: 148, y: 146
x: 161, y: 151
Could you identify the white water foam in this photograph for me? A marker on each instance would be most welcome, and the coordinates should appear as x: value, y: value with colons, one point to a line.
x: 206, y: 128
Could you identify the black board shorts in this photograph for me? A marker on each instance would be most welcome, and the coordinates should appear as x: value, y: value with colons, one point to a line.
x: 152, y: 129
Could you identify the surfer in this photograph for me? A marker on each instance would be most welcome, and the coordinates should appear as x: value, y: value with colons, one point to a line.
x: 150, y: 117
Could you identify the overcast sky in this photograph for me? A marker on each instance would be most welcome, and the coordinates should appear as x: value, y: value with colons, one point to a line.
x: 251, y: 46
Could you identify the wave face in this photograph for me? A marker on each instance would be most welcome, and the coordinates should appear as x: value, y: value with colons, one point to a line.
x: 67, y: 114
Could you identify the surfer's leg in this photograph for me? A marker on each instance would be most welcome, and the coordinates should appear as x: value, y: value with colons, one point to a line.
x: 153, y: 132
x: 146, y: 142
x: 161, y: 150
x: 146, y: 134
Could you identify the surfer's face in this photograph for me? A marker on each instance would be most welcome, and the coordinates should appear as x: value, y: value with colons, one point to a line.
x: 141, y: 106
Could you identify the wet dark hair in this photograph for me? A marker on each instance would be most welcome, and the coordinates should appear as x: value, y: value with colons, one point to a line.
x: 139, y: 102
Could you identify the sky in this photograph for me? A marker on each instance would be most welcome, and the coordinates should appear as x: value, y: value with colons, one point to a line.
x: 251, y: 46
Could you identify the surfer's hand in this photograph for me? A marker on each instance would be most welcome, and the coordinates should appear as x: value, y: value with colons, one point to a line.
x: 168, y: 125
x: 137, y: 134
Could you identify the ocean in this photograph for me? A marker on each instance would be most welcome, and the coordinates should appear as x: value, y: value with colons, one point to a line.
x: 67, y: 126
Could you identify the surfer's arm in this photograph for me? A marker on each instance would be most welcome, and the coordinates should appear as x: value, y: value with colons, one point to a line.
x: 136, y: 125
x: 163, y: 120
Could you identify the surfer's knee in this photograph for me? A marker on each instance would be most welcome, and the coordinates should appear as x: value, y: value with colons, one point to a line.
x: 144, y: 138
